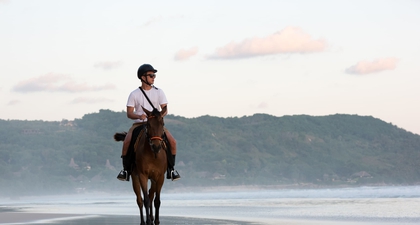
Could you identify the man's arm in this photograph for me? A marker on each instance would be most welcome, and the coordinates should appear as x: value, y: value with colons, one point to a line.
x: 163, y: 105
x: 132, y: 115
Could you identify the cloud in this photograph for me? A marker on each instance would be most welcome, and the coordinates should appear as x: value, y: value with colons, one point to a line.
x: 378, y: 65
x: 57, y: 83
x: 13, y: 102
x: 108, y: 65
x: 185, y: 54
x: 262, y: 105
x: 4, y: 1
x: 288, y: 40
x: 160, y: 19
x: 152, y: 21
x: 90, y: 100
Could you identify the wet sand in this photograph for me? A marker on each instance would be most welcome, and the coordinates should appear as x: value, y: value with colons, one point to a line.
x: 71, y: 219
x: 360, y: 206
x: 24, y: 218
x: 17, y: 218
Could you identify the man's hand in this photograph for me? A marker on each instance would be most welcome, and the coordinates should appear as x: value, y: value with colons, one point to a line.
x: 143, y: 117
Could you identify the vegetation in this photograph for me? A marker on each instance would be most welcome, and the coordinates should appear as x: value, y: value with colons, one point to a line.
x: 81, y: 155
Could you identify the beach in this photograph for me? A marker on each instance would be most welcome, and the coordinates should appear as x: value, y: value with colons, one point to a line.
x: 16, y: 218
x: 20, y: 218
x: 69, y: 219
x: 342, y: 206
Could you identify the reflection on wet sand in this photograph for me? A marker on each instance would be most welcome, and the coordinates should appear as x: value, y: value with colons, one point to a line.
x: 15, y: 218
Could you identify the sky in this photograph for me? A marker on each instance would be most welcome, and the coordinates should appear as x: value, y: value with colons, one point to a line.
x: 64, y: 59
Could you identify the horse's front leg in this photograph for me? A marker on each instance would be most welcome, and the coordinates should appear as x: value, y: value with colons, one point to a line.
x: 158, y: 188
x: 152, y: 191
x: 157, y: 206
x: 137, y: 191
x: 146, y: 200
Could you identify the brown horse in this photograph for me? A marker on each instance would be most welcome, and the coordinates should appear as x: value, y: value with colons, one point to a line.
x: 150, y: 164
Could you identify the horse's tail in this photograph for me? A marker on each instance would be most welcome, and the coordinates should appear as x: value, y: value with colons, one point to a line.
x: 120, y: 136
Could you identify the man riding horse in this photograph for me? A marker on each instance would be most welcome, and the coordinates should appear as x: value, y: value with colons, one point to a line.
x: 151, y: 98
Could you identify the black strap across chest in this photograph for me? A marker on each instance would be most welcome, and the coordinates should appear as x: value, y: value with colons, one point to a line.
x: 141, y: 89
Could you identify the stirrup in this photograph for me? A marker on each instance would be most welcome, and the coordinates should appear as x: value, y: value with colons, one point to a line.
x: 123, y: 176
x: 175, y: 175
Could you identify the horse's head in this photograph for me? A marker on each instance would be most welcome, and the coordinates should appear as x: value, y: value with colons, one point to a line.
x: 154, y: 128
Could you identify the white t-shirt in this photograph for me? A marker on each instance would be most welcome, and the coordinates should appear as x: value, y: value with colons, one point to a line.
x: 136, y: 99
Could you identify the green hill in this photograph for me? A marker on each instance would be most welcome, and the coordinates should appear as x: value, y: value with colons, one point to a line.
x: 81, y: 155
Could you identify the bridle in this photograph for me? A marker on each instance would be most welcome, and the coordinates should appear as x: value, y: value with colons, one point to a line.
x: 154, y: 148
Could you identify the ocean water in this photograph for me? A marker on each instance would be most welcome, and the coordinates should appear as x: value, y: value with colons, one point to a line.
x: 361, y: 205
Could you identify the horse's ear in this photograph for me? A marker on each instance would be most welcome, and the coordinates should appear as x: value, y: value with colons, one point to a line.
x: 164, y: 109
x: 155, y: 112
x: 148, y: 113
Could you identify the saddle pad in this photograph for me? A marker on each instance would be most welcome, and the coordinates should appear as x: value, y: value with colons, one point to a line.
x: 135, y: 137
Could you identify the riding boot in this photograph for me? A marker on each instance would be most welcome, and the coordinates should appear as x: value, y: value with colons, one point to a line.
x: 124, y: 174
x: 171, y: 173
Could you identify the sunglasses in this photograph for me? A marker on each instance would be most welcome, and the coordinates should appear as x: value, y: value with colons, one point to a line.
x: 153, y: 75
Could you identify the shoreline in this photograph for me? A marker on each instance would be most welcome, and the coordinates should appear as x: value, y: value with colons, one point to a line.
x: 296, y: 186
x: 224, y: 188
x: 20, y: 216
x: 240, y: 205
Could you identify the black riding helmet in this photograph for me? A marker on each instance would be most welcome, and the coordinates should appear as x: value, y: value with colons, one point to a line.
x: 145, y: 68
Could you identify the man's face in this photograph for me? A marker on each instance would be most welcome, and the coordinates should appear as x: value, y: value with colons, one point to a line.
x: 150, y: 77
